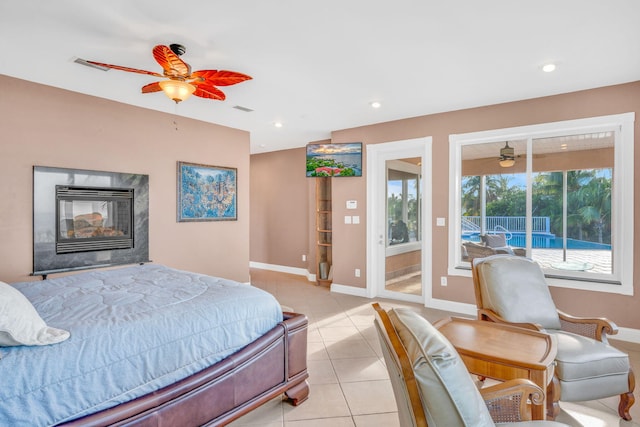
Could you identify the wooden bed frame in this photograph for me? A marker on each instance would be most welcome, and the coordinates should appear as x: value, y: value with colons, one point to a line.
x: 273, y: 364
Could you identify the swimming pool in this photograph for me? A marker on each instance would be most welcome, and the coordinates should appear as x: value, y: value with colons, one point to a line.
x: 542, y: 240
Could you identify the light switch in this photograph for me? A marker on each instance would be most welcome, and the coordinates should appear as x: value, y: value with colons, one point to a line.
x: 356, y: 219
x: 440, y: 222
x: 347, y: 219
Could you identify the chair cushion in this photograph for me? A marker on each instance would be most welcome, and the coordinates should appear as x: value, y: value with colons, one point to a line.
x: 529, y: 302
x: 450, y: 397
x: 494, y: 240
x: 581, y: 358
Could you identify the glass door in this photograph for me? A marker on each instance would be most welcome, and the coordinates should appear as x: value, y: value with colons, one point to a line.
x: 398, y: 220
x: 403, y: 251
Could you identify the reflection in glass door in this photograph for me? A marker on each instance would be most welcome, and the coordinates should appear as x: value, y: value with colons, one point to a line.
x: 403, y: 254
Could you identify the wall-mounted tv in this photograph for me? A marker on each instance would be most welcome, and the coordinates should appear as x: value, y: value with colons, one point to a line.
x: 339, y: 160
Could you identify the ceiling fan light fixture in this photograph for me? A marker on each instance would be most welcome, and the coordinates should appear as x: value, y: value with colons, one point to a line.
x: 177, y: 90
x: 507, y: 156
x: 507, y: 163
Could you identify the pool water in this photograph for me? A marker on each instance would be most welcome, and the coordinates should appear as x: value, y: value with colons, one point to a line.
x: 544, y: 240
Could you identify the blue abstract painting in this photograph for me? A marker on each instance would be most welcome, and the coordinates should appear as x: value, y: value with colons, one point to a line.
x: 206, y: 193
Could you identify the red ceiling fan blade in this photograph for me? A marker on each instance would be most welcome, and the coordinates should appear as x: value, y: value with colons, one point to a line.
x: 204, y: 90
x: 171, y: 63
x: 151, y: 87
x: 219, y: 77
x: 128, y: 69
x: 205, y: 81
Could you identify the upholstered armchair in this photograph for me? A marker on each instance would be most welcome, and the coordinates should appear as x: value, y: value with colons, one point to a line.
x: 513, y: 290
x: 432, y: 386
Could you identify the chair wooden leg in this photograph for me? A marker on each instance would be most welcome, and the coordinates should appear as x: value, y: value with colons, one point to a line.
x: 553, y: 396
x: 627, y: 399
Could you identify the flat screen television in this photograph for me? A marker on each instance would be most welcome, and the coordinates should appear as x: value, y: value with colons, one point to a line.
x: 338, y: 160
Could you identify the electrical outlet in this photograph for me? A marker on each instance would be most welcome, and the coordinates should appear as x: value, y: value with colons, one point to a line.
x: 357, y: 272
x: 304, y: 257
x: 443, y: 281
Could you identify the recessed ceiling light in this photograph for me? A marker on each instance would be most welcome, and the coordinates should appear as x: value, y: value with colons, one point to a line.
x: 376, y: 104
x: 278, y: 124
x: 547, y: 68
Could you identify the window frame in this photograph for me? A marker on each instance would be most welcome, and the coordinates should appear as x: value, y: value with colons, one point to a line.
x: 622, y: 196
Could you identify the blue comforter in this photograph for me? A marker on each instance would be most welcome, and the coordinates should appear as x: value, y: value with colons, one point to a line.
x: 133, y: 331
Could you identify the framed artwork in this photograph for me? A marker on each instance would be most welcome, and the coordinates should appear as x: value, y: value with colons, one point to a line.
x: 206, y: 193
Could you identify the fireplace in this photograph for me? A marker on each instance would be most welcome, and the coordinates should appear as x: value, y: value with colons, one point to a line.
x: 87, y: 219
x: 93, y: 219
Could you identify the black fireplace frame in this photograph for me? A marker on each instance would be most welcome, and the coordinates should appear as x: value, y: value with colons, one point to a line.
x: 93, y: 194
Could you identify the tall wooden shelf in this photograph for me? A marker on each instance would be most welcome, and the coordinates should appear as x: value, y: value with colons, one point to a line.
x: 324, y: 237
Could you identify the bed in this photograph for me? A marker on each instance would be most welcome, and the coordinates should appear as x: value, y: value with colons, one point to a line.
x: 151, y: 346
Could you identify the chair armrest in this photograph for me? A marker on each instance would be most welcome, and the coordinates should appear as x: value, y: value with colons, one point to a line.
x: 519, y: 251
x: 484, y: 314
x: 595, y: 328
x: 509, y: 401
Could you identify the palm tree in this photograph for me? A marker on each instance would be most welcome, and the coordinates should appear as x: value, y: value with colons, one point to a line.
x: 471, y: 195
x: 596, y: 209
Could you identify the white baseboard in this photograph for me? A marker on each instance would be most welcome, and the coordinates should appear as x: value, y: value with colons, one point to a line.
x: 284, y: 269
x: 349, y: 290
x: 455, y: 307
x: 624, y: 334
x: 627, y: 334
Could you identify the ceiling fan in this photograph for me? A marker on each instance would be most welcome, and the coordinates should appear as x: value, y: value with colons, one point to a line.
x: 182, y: 82
x: 507, y: 156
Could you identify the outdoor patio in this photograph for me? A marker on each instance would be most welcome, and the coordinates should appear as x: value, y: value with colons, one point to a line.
x: 591, y: 260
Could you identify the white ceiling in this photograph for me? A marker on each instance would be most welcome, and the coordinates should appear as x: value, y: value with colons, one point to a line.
x: 317, y: 66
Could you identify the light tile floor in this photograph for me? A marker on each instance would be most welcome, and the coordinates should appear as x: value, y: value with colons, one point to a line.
x: 349, y: 386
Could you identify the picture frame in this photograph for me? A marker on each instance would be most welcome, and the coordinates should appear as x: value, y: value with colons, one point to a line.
x: 206, y: 193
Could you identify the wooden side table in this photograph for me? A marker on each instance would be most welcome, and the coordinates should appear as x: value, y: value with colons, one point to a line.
x: 503, y: 352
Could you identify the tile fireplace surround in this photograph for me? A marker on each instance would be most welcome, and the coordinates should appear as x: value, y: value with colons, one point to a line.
x: 94, y: 208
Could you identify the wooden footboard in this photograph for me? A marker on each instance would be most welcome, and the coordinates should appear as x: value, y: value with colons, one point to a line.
x: 273, y: 364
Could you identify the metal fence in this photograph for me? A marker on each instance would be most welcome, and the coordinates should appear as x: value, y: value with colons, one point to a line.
x: 515, y: 224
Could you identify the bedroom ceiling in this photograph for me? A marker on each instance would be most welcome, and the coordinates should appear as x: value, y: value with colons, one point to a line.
x: 318, y: 66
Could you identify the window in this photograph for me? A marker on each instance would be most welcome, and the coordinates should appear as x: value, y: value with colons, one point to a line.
x: 557, y: 191
x: 403, y: 206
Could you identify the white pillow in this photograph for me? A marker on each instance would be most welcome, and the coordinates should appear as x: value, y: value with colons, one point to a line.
x: 20, y: 323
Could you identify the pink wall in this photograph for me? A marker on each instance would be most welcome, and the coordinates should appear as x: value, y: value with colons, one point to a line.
x: 350, y: 244
x: 280, y: 216
x: 45, y: 126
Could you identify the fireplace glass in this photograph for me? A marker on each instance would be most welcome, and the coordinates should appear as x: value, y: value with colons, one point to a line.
x: 93, y: 219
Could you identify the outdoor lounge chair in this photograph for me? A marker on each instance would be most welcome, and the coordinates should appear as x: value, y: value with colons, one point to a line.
x: 492, y: 244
